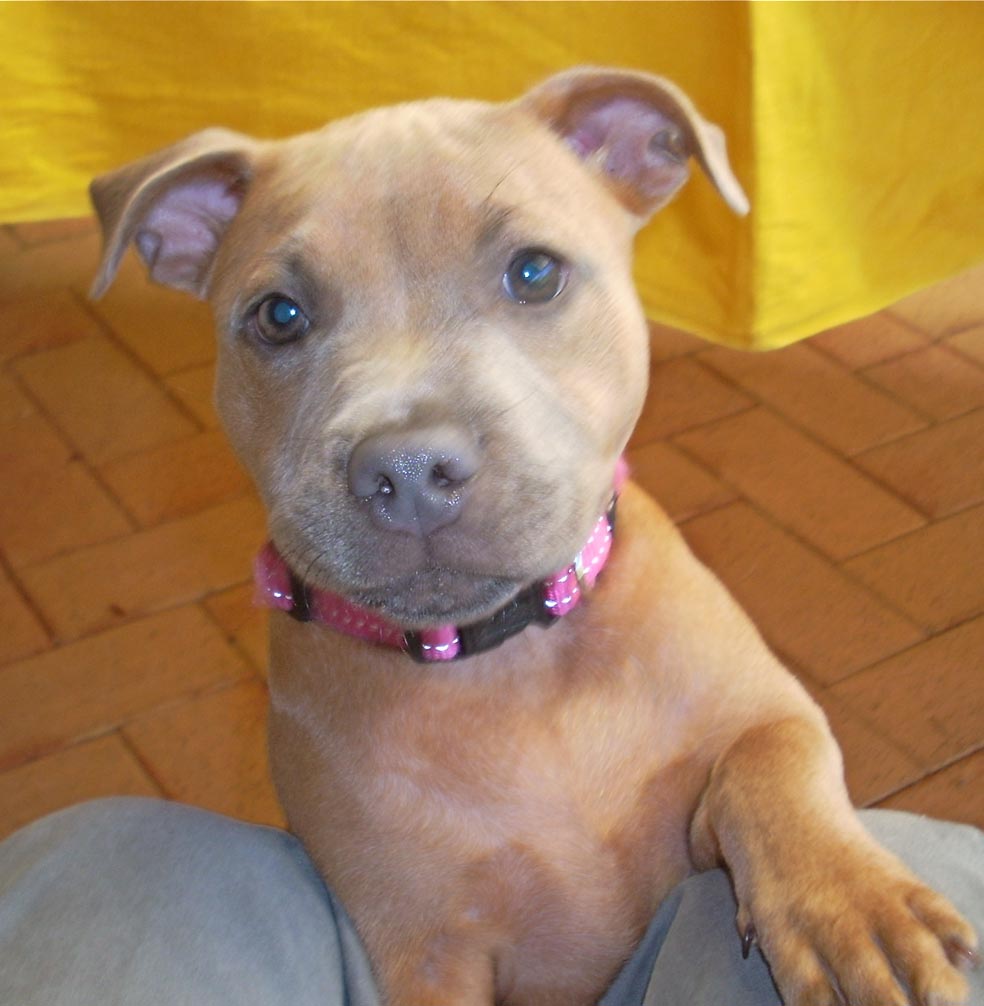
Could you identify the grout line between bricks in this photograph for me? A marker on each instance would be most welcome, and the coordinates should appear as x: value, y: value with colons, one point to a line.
x: 703, y: 511
x: 143, y: 763
x: 700, y: 511
x: 953, y: 351
x: 812, y: 435
x: 139, y: 530
x: 905, y: 322
x: 930, y: 774
x: 926, y: 633
x: 16, y: 760
x: 965, y: 357
x: 865, y: 377
x: 818, y: 553
x: 59, y: 643
x: 159, y: 380
x: 694, y: 427
x: 76, y: 456
x: 120, y: 726
x: 833, y: 358
x: 140, y: 451
x: 130, y: 515
x: 773, y: 518
x: 847, y: 459
x: 29, y: 603
x: 946, y: 333
x: 229, y: 637
x: 908, y: 648
x: 11, y: 231
x: 910, y: 534
x: 931, y: 517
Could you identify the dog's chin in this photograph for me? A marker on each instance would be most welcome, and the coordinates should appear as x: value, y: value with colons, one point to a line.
x: 437, y: 597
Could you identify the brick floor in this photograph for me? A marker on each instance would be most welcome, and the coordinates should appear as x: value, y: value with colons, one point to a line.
x: 939, y: 470
x: 836, y: 487
x: 969, y: 342
x: 837, y: 407
x: 817, y: 494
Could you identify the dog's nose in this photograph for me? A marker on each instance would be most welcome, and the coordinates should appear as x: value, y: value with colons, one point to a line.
x: 413, y: 480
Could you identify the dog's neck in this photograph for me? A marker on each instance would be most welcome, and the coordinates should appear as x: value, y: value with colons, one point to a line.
x: 542, y: 603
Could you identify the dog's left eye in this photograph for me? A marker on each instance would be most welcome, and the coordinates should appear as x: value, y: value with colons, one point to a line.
x: 534, y: 276
x: 279, y: 320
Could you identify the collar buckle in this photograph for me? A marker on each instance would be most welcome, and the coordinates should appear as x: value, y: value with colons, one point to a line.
x: 526, y: 608
x: 300, y: 609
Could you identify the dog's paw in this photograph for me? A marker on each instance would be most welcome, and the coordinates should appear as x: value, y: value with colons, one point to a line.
x: 861, y: 930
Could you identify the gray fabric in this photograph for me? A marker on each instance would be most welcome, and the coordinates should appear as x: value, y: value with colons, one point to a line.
x: 147, y: 903
x: 691, y: 953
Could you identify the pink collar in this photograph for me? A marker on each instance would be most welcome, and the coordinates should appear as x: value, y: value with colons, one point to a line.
x: 543, y: 602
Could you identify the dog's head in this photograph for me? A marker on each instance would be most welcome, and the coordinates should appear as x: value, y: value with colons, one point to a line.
x: 431, y: 354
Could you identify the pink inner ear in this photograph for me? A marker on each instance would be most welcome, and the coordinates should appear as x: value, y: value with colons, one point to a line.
x: 627, y: 136
x: 180, y: 234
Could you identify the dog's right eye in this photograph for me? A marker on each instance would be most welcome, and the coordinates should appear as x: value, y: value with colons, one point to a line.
x: 534, y: 276
x: 279, y: 320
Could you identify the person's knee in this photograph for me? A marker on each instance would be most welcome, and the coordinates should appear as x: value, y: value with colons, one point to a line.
x: 134, y: 836
x: 105, y: 809
x: 145, y: 896
x: 100, y: 820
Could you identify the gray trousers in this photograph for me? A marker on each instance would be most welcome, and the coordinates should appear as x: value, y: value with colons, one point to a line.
x: 148, y: 903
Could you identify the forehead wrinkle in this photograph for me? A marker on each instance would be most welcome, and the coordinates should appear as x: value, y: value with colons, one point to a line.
x: 286, y: 267
x: 495, y: 219
x: 431, y: 233
x: 285, y: 260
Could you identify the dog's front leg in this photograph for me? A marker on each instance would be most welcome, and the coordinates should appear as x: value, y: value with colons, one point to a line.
x: 839, y: 919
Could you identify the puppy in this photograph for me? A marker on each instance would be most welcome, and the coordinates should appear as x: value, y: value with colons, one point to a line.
x: 431, y: 359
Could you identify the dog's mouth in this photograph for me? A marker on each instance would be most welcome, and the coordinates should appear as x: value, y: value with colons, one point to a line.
x: 464, y: 574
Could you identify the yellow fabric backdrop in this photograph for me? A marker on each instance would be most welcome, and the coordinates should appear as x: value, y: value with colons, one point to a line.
x: 855, y: 128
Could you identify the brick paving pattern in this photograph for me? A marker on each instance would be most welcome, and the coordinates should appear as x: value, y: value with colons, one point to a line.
x: 837, y: 487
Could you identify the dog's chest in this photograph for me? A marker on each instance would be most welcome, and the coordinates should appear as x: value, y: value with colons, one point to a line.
x: 561, y: 761
x: 487, y: 752
x: 537, y: 801
x: 555, y: 819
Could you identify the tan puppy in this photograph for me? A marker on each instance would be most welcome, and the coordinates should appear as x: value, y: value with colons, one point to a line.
x: 431, y: 358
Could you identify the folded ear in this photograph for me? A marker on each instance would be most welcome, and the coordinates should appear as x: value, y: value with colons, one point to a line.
x: 637, y: 131
x: 175, y: 205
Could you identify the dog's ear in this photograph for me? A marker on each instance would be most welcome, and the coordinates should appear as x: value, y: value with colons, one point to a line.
x: 636, y: 131
x: 175, y: 205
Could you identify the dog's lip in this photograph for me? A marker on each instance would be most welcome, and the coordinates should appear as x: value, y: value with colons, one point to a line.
x: 433, y: 597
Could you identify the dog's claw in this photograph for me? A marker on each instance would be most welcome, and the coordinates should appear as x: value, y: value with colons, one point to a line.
x: 748, y: 937
x: 963, y: 956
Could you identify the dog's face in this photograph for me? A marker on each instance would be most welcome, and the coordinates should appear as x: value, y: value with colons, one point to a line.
x: 431, y: 353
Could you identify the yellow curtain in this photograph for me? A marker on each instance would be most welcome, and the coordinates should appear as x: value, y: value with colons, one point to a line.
x: 855, y: 128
